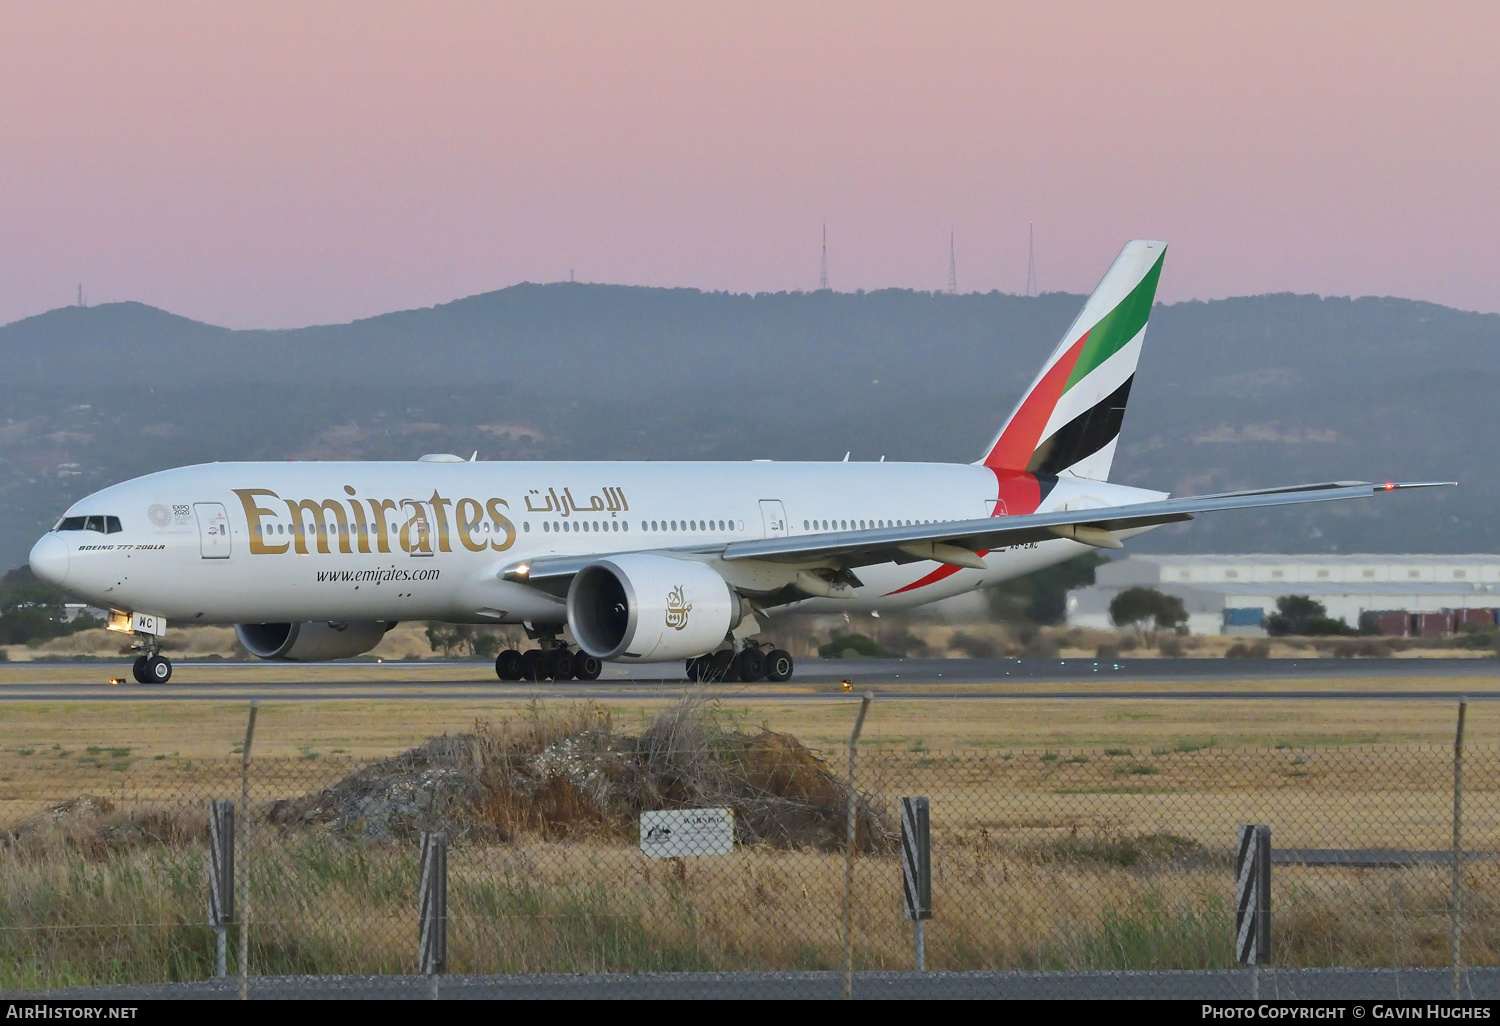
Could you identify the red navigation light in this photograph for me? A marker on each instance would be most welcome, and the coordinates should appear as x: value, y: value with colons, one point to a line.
x: 1390, y: 486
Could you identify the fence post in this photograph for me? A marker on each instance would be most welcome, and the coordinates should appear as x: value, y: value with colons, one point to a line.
x: 916, y: 871
x: 243, y: 861
x: 221, y: 880
x: 1252, y: 907
x: 859, y: 724
x: 1455, y: 930
x: 432, y: 909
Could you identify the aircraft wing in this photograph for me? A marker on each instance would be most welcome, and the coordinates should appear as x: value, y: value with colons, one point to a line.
x: 959, y: 542
x: 1098, y: 526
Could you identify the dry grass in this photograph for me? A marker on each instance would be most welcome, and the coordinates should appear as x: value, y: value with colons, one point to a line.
x: 1112, y: 854
x: 590, y: 906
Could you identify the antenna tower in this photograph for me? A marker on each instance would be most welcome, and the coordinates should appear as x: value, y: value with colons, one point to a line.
x: 1031, y: 258
x: 952, y: 265
x: 823, y: 275
x: 80, y: 295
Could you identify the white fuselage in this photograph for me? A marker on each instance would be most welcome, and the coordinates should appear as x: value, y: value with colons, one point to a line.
x: 272, y: 542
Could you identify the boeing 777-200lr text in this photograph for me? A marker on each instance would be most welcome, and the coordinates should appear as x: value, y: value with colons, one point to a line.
x: 638, y: 562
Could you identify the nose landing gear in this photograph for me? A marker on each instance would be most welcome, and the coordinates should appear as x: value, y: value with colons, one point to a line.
x: 151, y: 668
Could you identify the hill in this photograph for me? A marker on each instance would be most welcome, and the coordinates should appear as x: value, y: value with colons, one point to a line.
x: 1238, y: 392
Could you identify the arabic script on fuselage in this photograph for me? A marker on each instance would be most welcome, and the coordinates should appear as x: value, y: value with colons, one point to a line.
x: 611, y: 501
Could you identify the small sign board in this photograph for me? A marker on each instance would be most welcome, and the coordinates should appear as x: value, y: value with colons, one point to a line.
x: 680, y: 833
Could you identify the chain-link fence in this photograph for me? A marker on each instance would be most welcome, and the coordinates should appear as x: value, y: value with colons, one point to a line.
x: 697, y: 857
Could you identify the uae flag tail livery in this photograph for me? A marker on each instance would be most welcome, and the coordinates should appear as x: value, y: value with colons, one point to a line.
x: 1069, y: 420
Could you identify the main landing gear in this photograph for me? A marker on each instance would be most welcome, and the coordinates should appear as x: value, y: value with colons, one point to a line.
x: 558, y: 663
x: 749, y: 665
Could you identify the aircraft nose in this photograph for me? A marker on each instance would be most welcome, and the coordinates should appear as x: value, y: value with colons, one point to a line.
x: 49, y: 559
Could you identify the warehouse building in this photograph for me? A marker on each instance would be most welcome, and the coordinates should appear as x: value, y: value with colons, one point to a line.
x: 1425, y: 595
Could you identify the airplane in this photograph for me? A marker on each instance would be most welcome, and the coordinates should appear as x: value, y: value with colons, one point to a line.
x: 640, y: 562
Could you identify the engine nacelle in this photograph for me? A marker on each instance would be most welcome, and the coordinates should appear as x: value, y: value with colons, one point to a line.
x: 313, y: 641
x: 642, y: 607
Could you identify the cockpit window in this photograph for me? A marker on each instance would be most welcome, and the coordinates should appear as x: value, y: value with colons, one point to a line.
x: 102, y: 524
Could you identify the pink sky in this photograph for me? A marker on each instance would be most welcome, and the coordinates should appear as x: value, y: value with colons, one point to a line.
x: 282, y: 164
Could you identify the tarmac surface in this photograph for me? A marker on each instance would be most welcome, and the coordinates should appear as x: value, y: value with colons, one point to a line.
x: 1233, y: 984
x: 819, y: 680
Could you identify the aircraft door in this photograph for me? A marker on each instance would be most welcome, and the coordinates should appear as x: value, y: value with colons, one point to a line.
x: 774, y: 515
x: 213, y: 530
x: 418, y: 536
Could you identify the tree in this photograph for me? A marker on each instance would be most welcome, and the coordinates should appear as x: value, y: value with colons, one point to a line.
x: 1300, y: 614
x: 34, y: 611
x: 1042, y: 597
x: 1136, y: 606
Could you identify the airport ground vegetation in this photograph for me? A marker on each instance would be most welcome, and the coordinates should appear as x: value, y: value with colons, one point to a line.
x: 1049, y: 858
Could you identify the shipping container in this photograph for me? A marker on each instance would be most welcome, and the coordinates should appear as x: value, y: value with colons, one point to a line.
x: 1477, y: 617
x: 1244, y: 616
x: 1431, y: 625
x: 1393, y: 623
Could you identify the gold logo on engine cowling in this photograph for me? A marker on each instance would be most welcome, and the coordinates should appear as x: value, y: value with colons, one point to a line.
x: 677, y: 609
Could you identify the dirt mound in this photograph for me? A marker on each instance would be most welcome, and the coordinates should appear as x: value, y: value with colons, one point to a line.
x: 571, y: 775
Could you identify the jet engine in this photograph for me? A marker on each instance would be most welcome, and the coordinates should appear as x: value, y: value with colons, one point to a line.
x: 313, y: 641
x: 643, y: 607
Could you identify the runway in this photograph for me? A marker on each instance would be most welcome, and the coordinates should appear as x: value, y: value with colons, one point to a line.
x: 821, y: 681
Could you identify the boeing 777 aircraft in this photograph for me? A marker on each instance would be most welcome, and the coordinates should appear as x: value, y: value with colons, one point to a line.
x: 638, y: 562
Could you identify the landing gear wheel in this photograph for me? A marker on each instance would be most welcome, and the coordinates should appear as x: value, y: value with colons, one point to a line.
x: 508, y: 665
x: 751, y: 665
x: 158, y: 670
x: 718, y: 666
x: 779, y: 665
x: 138, y: 670
x: 694, y: 668
x: 533, y: 665
x: 560, y: 664
x: 586, y: 667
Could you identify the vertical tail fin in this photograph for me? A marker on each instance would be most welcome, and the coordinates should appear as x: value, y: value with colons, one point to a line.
x: 1069, y: 420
